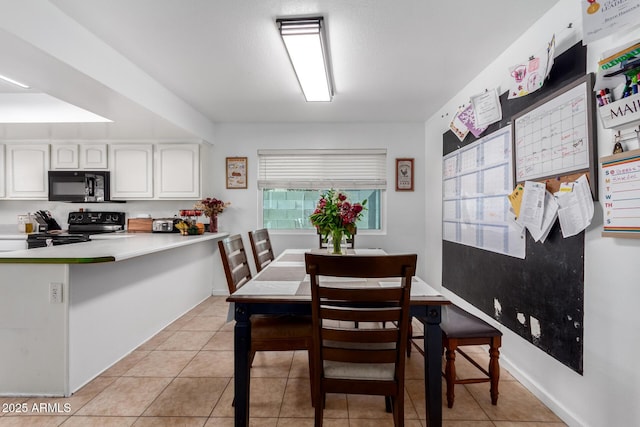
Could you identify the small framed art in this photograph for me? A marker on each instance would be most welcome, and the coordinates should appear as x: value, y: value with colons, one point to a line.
x: 404, y: 174
x: 236, y: 172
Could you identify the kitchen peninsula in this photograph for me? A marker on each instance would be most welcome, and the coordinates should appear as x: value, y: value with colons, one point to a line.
x: 69, y: 312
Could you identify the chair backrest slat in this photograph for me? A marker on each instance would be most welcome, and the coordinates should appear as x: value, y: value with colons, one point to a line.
x: 379, y: 314
x: 332, y: 292
x: 360, y: 335
x: 360, y: 355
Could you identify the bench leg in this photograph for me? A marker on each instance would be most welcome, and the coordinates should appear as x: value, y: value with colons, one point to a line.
x: 494, y: 368
x: 450, y: 371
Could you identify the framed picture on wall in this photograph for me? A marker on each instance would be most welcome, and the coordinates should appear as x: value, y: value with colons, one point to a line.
x: 236, y: 172
x: 404, y: 174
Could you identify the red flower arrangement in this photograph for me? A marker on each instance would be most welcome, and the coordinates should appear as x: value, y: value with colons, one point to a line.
x: 211, y: 206
x: 336, y: 215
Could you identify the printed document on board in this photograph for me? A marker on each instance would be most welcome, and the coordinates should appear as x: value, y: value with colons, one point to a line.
x: 532, y: 207
x: 549, y: 216
x: 576, y: 208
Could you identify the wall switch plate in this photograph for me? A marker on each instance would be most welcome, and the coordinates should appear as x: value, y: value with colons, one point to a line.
x: 55, y: 293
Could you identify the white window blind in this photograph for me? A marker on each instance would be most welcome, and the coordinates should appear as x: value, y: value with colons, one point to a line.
x: 322, y: 169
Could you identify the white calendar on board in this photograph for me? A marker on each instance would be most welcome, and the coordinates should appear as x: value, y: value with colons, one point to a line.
x: 475, y: 209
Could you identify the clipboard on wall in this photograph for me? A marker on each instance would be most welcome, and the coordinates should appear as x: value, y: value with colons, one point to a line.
x: 554, y: 140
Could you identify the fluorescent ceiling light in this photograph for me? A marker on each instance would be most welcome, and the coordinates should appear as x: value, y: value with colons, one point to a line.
x: 42, y: 108
x: 15, y: 82
x: 305, y: 43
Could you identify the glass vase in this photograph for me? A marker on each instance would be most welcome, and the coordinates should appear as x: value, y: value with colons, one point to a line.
x: 213, y: 224
x: 335, y: 245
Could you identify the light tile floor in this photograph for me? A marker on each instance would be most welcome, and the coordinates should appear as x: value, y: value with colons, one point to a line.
x: 183, y: 377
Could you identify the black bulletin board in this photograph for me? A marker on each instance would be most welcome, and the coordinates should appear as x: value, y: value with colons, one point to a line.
x: 548, y: 285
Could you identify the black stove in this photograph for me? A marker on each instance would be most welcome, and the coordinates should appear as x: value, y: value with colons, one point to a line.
x: 95, y: 222
x: 81, y: 226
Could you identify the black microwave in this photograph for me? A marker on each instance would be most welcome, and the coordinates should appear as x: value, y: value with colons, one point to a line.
x: 79, y: 186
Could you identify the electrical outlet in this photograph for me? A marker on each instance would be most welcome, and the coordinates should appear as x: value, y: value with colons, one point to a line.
x: 55, y: 293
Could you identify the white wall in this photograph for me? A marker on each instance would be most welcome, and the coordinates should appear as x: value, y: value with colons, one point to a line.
x: 608, y: 392
x: 404, y: 226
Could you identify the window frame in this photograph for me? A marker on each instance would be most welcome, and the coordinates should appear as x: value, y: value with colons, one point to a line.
x: 376, y: 181
x: 307, y: 231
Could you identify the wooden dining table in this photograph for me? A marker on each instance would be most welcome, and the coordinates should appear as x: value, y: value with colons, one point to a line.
x: 283, y: 288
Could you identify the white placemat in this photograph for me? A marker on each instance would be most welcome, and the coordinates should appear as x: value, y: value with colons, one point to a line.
x: 268, y: 288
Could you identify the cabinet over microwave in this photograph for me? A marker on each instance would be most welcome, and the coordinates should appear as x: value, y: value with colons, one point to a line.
x: 79, y: 186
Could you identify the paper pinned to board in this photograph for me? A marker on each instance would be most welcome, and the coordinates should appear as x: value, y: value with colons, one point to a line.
x: 539, y: 234
x: 576, y: 208
x: 486, y: 108
x: 528, y: 76
x: 468, y: 118
x: 515, y: 198
x: 458, y: 127
x: 532, y: 208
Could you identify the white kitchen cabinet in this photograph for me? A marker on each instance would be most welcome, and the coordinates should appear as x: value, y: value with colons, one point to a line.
x: 64, y: 156
x: 131, y: 167
x: 2, y: 172
x: 85, y: 156
x: 177, y: 171
x: 27, y: 166
x: 93, y: 156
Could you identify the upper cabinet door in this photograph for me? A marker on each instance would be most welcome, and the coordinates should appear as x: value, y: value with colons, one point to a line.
x: 2, y: 186
x: 64, y: 156
x: 93, y: 156
x: 131, y: 171
x: 177, y: 171
x: 27, y: 166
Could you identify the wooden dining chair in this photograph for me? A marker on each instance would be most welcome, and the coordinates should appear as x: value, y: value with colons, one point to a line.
x: 261, y: 248
x: 268, y: 332
x: 351, y: 241
x: 367, y: 360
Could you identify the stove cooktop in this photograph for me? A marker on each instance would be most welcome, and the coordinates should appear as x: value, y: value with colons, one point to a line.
x: 81, y: 225
x: 90, y: 221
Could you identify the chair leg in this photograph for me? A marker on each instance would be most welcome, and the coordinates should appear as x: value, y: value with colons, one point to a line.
x: 450, y: 372
x: 494, y: 369
x: 409, y: 337
x: 388, y: 406
x: 319, y: 409
x: 314, y: 399
x: 398, y: 410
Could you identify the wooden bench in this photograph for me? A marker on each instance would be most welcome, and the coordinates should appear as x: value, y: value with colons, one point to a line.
x: 460, y: 328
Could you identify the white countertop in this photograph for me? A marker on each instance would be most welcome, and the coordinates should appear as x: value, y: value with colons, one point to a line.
x: 106, y: 248
x: 10, y: 232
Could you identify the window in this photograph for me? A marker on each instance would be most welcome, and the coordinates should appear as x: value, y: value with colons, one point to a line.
x: 292, y: 181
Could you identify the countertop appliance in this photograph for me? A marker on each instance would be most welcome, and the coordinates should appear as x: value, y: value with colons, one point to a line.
x: 81, y: 226
x: 79, y: 186
x: 164, y: 225
x: 46, y: 222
